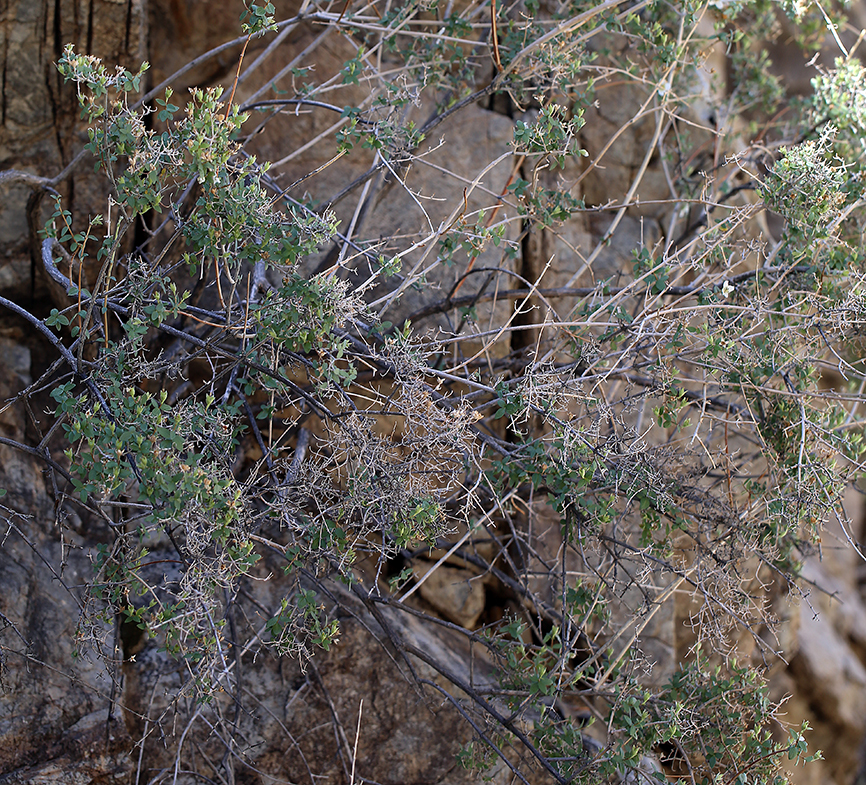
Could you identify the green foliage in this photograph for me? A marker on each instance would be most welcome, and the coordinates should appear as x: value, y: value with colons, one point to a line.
x: 301, y: 621
x: 805, y: 188
x: 553, y: 133
x: 258, y: 19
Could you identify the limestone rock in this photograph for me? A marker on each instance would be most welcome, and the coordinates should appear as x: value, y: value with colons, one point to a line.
x: 41, y: 131
x: 456, y: 593
x: 55, y: 708
x: 93, y: 750
x: 301, y: 721
x: 837, y: 677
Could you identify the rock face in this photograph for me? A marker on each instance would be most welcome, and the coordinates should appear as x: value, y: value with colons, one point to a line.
x: 356, y: 708
x: 827, y: 672
x: 70, y: 718
x: 59, y: 721
x: 40, y: 130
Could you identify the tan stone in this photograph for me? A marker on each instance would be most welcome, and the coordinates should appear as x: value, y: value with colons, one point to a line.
x: 456, y: 593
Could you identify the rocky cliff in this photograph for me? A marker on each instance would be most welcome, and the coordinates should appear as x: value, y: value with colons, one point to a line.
x: 375, y: 707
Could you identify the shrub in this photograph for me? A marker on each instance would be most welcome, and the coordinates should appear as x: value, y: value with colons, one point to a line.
x: 257, y: 376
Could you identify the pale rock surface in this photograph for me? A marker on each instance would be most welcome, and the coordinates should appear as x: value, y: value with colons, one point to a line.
x: 827, y: 673
x: 457, y: 594
x: 57, y: 720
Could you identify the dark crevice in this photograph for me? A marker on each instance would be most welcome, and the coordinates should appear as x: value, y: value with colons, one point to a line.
x: 128, y: 31
x: 53, y: 82
x: 501, y: 103
x: 5, y: 67
x: 90, y: 28
x: 144, y: 223
x: 132, y: 636
x: 34, y: 220
x: 141, y: 233
x: 57, y: 32
x: 521, y: 340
